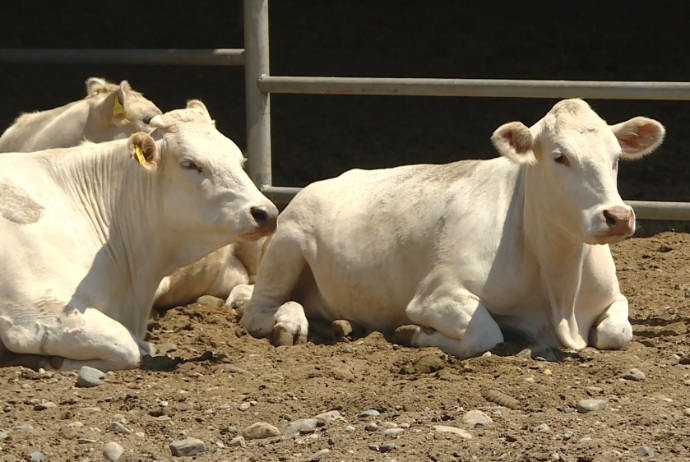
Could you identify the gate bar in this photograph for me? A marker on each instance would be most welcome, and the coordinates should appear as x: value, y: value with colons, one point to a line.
x: 644, y: 210
x: 257, y: 104
x: 475, y: 87
x: 192, y: 57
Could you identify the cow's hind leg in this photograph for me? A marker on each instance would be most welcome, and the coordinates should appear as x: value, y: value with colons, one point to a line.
x: 456, y: 322
x: 88, y: 338
x: 612, y: 330
x: 269, y: 311
x: 9, y: 358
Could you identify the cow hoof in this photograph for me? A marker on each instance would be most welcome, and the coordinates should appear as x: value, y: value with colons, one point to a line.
x: 341, y: 330
x: 281, y: 337
x: 404, y: 335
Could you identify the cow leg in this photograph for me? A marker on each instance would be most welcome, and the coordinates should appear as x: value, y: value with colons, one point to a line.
x: 457, y: 323
x: 269, y: 312
x: 239, y: 297
x: 88, y: 338
x: 612, y: 330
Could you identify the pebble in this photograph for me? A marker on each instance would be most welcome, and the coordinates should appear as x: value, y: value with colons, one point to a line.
x: 238, y: 441
x: 89, y: 377
x: 300, y: 426
x: 387, y: 447
x: 349, y: 429
x: 319, y: 454
x: 369, y: 413
x: 454, y: 430
x: 113, y: 451
x: 211, y: 300
x: 37, y: 457
x: 260, y: 430
x: 85, y: 441
x: 371, y: 427
x: 329, y: 416
x: 686, y: 412
x: 4, y: 435
x: 644, y: 451
x: 244, y: 406
x: 476, y: 419
x: 538, y: 351
x: 44, y: 406
x: 591, y: 391
x: 568, y: 435
x: 635, y: 375
x: 541, y: 428
x: 167, y: 348
x: 588, y: 405
x: 187, y: 447
x: 428, y: 364
x: 117, y: 427
x: 7, y: 408
x: 393, y: 432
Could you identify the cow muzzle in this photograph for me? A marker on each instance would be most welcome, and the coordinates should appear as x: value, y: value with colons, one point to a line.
x: 265, y: 217
x: 620, y: 221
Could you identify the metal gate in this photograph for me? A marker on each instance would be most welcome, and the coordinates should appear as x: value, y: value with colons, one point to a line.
x: 259, y: 84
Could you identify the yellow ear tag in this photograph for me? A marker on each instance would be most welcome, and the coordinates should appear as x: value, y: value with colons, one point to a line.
x: 118, y: 109
x: 140, y: 155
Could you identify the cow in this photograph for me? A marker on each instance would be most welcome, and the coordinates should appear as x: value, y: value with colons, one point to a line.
x: 88, y: 233
x: 226, y: 273
x: 108, y: 112
x: 456, y: 255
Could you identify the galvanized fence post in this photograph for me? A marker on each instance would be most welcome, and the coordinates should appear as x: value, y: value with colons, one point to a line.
x: 258, y: 104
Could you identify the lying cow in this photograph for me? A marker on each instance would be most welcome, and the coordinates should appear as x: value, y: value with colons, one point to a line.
x: 89, y: 232
x: 451, y: 254
x: 108, y: 112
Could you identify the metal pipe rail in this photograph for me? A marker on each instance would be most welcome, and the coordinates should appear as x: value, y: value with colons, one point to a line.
x: 475, y: 87
x: 191, y: 57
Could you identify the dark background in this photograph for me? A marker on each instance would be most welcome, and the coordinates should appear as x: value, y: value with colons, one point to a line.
x: 316, y: 136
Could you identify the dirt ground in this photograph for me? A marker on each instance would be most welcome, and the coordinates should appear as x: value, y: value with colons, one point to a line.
x: 414, y: 389
x: 227, y: 380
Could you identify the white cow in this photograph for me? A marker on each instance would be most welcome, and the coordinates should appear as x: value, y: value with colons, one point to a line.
x: 451, y: 254
x: 108, y: 112
x: 88, y: 233
x: 227, y: 273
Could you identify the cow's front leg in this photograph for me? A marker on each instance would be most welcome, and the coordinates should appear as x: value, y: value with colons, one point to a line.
x: 454, y: 321
x: 268, y: 313
x: 612, y: 330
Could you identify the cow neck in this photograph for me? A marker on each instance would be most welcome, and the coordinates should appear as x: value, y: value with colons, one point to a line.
x: 560, y: 260
x: 120, y: 202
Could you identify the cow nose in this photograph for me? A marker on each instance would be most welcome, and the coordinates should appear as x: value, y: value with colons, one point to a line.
x: 265, y: 217
x: 619, y: 220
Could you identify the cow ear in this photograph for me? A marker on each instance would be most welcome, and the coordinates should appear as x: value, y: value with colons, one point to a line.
x: 95, y: 85
x: 514, y: 141
x: 144, y: 150
x: 638, y: 136
x: 197, y: 104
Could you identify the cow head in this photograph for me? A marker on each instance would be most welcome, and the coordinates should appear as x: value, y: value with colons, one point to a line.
x: 202, y: 171
x: 572, y: 157
x: 121, y: 107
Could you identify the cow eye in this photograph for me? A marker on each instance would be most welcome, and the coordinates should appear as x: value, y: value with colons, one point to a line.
x: 561, y: 159
x: 190, y: 165
x: 147, y: 119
